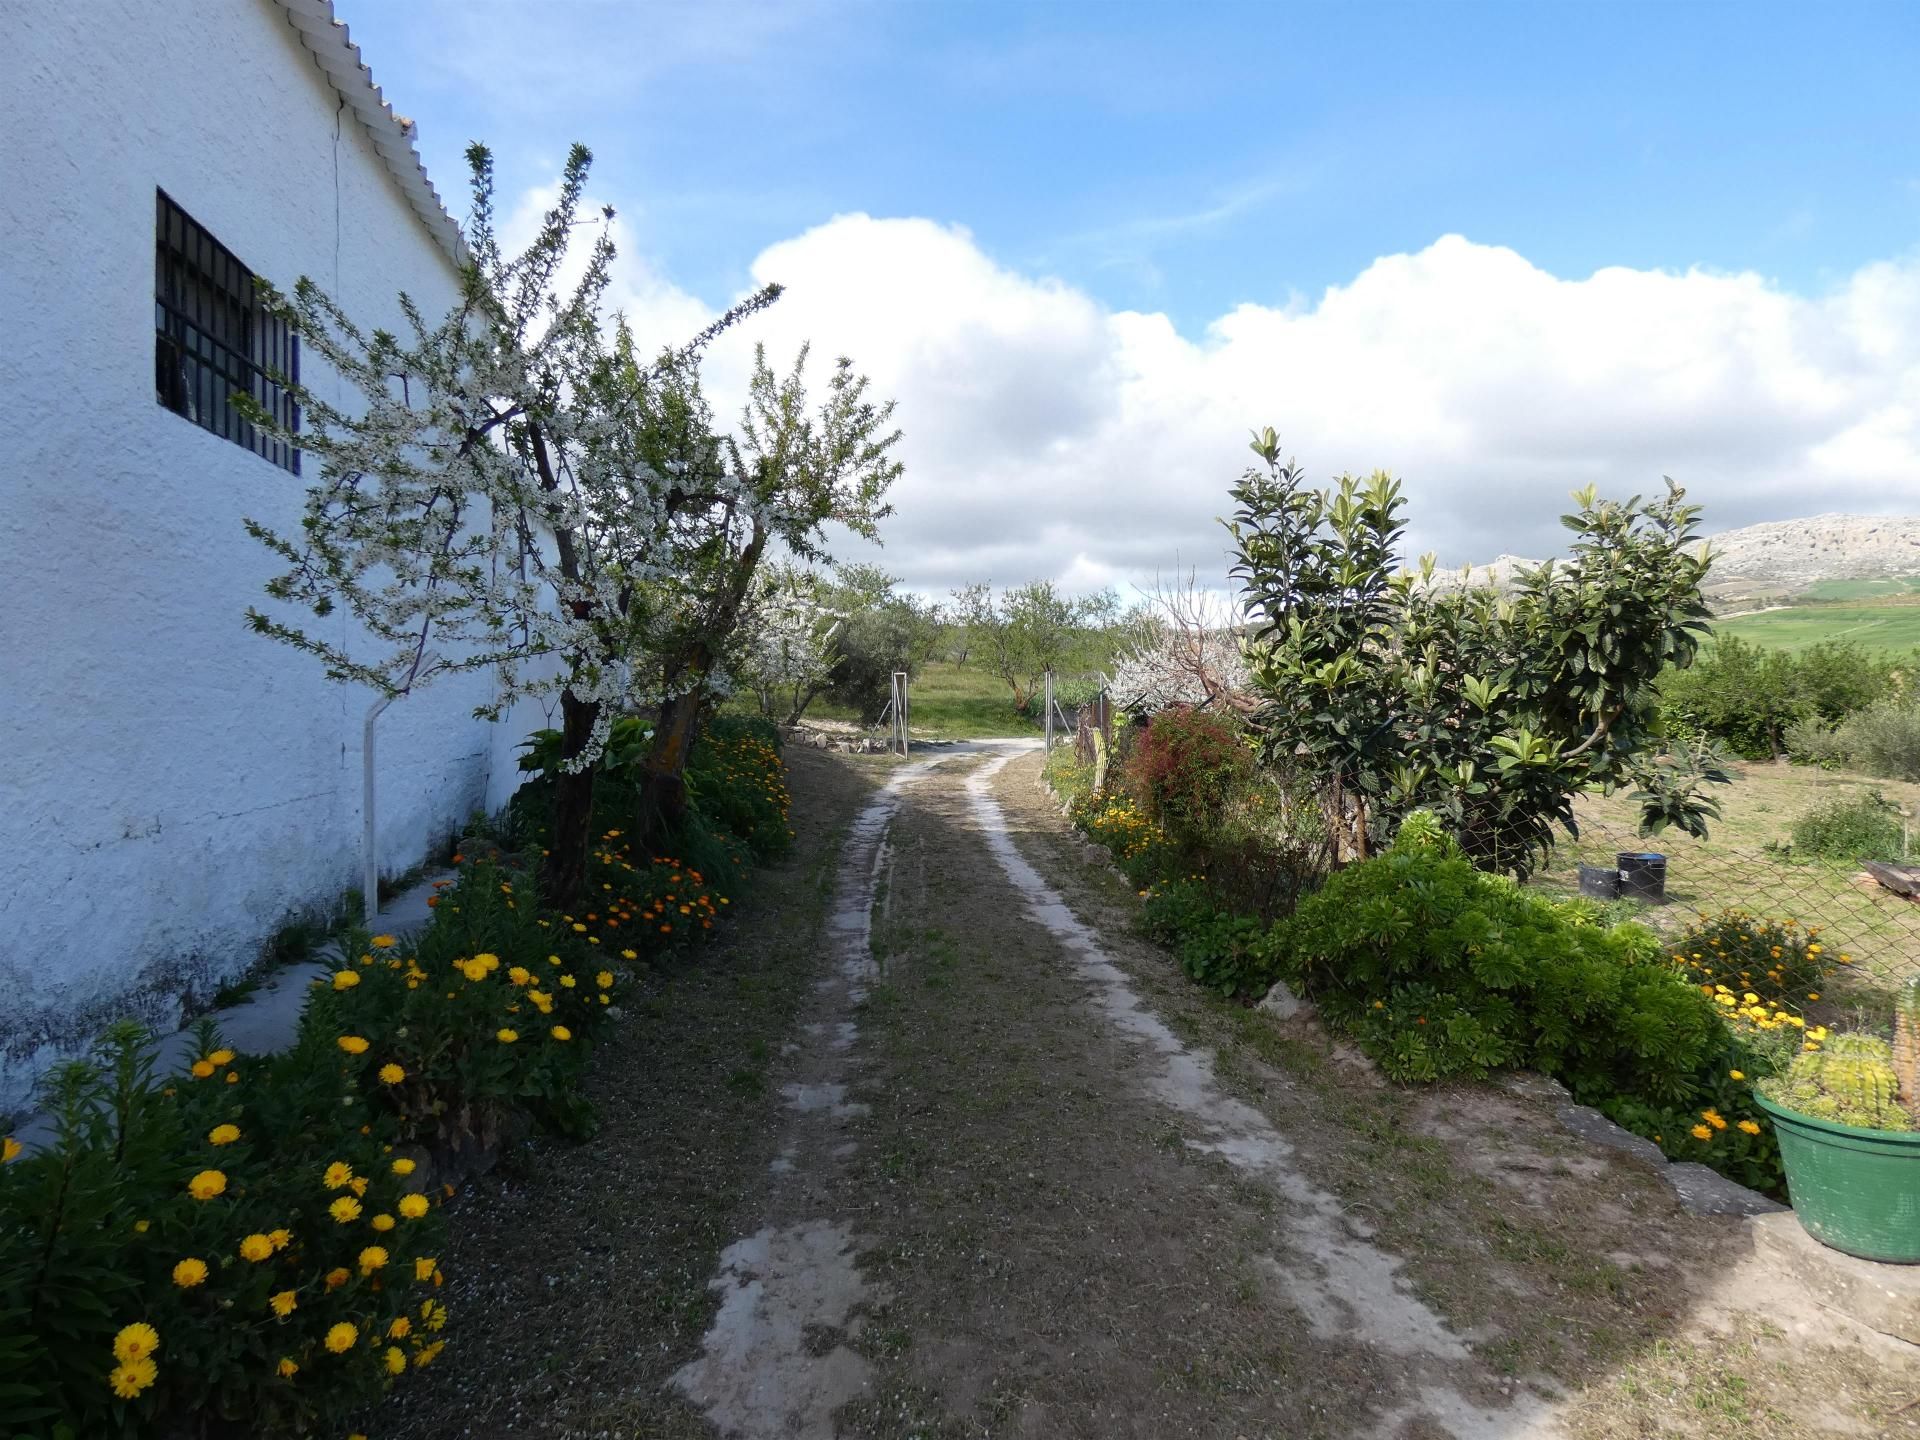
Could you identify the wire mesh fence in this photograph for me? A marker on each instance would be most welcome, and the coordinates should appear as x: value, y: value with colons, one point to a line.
x: 1856, y: 913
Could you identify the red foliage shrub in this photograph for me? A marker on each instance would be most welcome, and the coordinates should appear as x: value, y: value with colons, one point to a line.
x: 1186, y: 768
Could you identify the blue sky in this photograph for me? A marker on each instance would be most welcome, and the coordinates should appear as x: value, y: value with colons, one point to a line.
x: 1187, y: 158
x: 1303, y: 161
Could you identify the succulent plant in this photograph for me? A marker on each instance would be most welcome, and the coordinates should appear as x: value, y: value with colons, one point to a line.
x: 1850, y: 1080
x: 1906, y: 1041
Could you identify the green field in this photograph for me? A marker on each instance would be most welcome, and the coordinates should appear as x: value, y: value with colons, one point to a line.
x: 1887, y: 627
x: 951, y: 702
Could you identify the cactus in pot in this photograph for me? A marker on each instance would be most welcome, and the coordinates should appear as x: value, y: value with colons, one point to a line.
x: 1906, y: 1042
x: 1850, y: 1081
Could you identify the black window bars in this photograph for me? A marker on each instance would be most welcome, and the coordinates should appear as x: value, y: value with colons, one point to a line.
x: 213, y: 340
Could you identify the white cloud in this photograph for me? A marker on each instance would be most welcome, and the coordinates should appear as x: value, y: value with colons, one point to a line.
x: 1048, y: 436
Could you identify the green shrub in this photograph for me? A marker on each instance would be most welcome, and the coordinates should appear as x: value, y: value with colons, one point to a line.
x: 1812, y: 741
x: 1232, y: 955
x: 1858, y: 826
x: 1884, y: 740
x: 1446, y: 970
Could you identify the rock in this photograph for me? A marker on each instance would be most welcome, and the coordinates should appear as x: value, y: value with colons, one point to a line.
x: 1881, y: 1297
x: 1708, y: 1192
x: 1281, y: 1003
x: 1590, y: 1125
x: 1531, y: 1085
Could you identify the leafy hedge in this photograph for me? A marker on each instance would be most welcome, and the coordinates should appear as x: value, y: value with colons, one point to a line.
x: 251, y: 1247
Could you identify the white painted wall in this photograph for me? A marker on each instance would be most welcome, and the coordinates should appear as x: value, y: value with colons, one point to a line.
x: 171, y: 785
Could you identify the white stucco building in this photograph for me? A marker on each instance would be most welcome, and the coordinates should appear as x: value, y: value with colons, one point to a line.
x: 173, y: 786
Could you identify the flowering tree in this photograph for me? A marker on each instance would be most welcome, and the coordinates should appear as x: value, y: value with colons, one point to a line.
x: 788, y: 650
x: 790, y: 472
x: 1184, y: 649
x: 486, y: 495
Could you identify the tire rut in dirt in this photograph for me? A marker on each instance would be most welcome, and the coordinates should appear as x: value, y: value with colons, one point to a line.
x: 1053, y: 1256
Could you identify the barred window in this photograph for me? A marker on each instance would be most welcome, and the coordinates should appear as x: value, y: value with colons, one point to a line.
x: 213, y: 340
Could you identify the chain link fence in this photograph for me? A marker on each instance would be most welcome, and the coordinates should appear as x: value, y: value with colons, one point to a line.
x: 1856, y: 913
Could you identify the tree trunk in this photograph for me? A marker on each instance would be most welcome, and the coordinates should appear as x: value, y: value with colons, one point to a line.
x: 663, y: 783
x: 563, y: 876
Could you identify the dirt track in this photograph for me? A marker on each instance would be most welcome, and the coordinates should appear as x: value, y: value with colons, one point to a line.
x: 937, y: 1148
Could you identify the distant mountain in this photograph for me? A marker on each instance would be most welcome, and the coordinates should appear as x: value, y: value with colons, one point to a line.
x: 1774, y: 560
x: 1785, y: 557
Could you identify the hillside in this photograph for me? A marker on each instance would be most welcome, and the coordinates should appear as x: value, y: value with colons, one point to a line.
x: 1795, y: 557
x: 1820, y: 557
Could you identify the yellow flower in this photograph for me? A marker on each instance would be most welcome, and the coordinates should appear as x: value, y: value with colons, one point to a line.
x: 396, y: 1360
x: 400, y: 1328
x: 256, y: 1248
x: 283, y: 1303
x: 403, y: 1166
x: 579, y: 927
x: 384, y: 942
x: 506, y: 1036
x: 567, y: 982
x: 202, y: 1069
x: 382, y: 1223
x: 371, y: 1259
x: 391, y: 1074
x: 345, y: 979
x: 561, y: 1032
x: 339, y: 1173
x: 9, y: 1150
x: 338, y: 1276
x: 129, y: 1379
x: 221, y: 1057
x: 358, y: 1185
x: 207, y: 1184
x: 635, y: 954
x: 140, y: 1227
x: 135, y: 1341
x: 223, y: 1134
x: 353, y: 1044
x: 341, y: 1337
x: 345, y: 1210
x: 488, y: 963
x: 1736, y: 1074
x: 604, y: 979
x: 280, y: 1238
x: 287, y: 1368
x: 189, y: 1273
x: 1749, y: 1127
x: 1813, y: 995
x: 519, y: 975
x: 413, y: 1206
x: 1701, y: 1132
x: 423, y: 1268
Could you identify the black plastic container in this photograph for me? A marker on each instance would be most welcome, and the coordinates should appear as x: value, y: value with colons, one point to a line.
x: 1599, y: 883
x: 1643, y: 876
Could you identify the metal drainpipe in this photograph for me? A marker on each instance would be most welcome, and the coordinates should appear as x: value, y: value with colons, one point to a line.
x: 369, y: 842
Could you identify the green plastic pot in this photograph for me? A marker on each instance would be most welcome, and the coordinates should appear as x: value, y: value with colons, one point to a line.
x: 1854, y: 1189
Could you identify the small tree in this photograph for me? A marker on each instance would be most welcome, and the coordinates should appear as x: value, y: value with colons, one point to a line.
x: 789, y: 473
x: 790, y: 644
x: 887, y: 632
x: 1494, y: 711
x: 482, y: 494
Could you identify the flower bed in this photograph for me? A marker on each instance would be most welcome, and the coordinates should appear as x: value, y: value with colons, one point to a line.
x: 250, y: 1248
